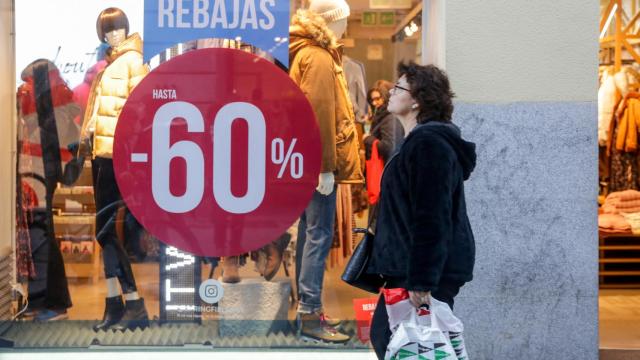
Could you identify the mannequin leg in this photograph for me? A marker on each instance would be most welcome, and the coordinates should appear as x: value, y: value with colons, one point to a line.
x: 318, y: 221
x: 300, y: 241
x: 108, y: 201
x: 118, y: 315
x: 319, y: 218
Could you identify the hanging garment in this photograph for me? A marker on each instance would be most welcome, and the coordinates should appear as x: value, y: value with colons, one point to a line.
x: 624, y: 169
x: 356, y: 82
x: 47, y: 112
x: 43, y: 132
x: 607, y: 99
x: 627, y: 136
x: 82, y: 92
x: 623, y: 146
x: 342, y: 245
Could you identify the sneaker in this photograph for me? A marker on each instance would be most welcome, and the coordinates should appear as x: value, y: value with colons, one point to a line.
x: 51, y: 315
x: 30, y: 312
x: 329, y: 321
x: 312, y: 326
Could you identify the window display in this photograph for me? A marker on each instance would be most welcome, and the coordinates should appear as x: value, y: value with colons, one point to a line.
x: 194, y: 177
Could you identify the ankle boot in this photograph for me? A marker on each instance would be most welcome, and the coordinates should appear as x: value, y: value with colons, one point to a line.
x: 113, y: 311
x: 135, y: 315
x: 231, y: 270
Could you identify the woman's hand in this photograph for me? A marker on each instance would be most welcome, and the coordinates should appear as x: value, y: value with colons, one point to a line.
x: 419, y: 298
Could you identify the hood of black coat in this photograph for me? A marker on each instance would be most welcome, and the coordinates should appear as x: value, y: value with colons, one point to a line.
x: 465, y: 150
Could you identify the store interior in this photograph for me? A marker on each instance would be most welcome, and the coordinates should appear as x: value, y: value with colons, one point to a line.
x: 619, y: 238
x: 378, y: 36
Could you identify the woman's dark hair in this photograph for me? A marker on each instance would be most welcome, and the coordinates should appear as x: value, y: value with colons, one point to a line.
x: 111, y: 19
x: 431, y: 90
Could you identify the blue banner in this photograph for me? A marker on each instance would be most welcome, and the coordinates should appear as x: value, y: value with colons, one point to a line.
x: 261, y: 23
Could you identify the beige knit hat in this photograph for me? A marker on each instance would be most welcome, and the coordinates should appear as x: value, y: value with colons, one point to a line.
x: 330, y: 10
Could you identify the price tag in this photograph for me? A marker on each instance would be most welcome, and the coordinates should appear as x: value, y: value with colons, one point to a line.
x: 217, y: 152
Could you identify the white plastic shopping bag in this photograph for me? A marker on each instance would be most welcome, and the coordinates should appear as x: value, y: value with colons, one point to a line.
x: 422, y: 334
x: 398, y: 306
x: 451, y: 325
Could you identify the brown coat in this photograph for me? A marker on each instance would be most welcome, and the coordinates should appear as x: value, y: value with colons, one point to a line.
x: 316, y: 66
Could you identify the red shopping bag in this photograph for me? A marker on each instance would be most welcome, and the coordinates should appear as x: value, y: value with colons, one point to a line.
x: 374, y: 167
x: 364, y: 309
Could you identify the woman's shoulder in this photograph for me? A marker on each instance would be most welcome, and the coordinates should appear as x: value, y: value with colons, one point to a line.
x: 425, y: 137
x: 426, y: 144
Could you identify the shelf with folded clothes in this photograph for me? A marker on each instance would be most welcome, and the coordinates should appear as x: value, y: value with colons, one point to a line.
x: 620, y: 214
x: 619, y: 240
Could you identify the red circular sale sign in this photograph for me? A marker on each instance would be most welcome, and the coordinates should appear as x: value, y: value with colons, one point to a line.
x: 217, y: 152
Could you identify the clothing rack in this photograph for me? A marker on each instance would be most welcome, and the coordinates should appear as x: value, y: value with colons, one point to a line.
x: 624, y: 32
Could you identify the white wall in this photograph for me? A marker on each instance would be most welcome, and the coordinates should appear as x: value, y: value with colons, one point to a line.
x: 525, y: 73
x: 521, y: 50
x: 434, y: 33
x: 68, y: 42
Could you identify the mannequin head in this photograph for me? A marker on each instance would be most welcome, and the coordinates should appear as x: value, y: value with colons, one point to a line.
x: 112, y: 26
x: 334, y: 13
x: 338, y: 27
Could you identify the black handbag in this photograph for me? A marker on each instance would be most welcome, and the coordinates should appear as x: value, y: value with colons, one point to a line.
x: 355, y: 272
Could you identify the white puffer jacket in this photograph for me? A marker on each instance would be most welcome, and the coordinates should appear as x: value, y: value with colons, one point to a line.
x: 110, y: 91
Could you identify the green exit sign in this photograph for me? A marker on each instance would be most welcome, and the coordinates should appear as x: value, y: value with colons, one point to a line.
x: 388, y: 18
x: 369, y: 18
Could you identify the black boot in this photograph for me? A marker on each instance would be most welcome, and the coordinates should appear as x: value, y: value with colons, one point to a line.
x: 135, y: 315
x: 113, y: 311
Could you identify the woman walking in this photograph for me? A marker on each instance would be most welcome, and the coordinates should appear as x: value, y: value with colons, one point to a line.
x: 423, y: 240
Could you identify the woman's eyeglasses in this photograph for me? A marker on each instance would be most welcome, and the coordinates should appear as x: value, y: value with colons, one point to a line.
x: 398, y: 87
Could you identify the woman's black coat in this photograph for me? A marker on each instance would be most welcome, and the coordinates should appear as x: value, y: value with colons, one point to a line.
x: 423, y: 236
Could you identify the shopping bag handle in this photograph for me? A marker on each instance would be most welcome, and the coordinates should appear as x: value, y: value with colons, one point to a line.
x: 432, y: 315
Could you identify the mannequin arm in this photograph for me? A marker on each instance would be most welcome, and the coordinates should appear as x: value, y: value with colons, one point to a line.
x: 326, y: 182
x: 137, y: 72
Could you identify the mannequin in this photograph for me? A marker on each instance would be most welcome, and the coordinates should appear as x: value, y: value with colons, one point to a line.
x: 47, y: 111
x: 316, y: 66
x: 109, y: 92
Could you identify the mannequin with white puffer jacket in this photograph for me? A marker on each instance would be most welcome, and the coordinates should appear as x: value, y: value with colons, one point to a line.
x: 108, y: 95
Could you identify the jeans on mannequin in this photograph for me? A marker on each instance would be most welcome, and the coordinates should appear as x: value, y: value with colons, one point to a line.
x: 108, y: 201
x: 315, y: 236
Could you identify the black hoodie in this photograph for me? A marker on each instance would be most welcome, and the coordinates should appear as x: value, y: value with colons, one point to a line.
x: 423, y: 237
